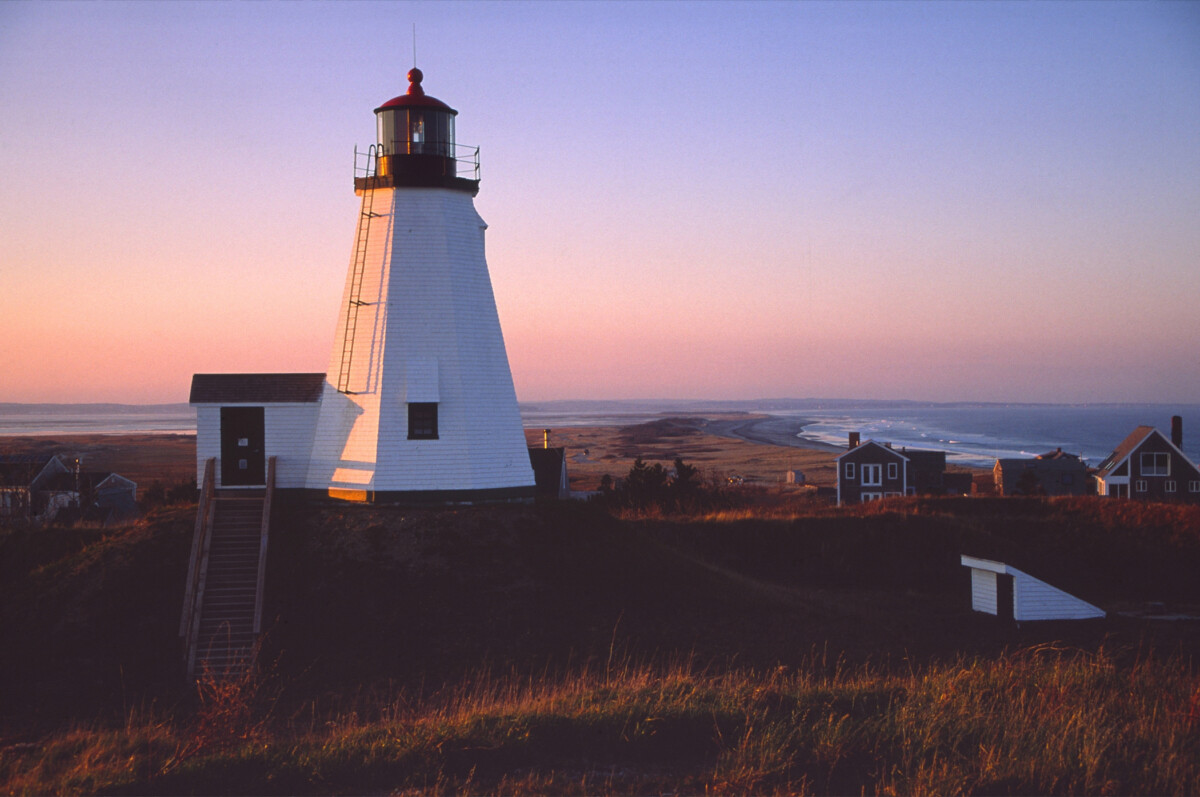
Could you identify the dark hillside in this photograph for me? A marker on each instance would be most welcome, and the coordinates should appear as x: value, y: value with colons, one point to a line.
x: 89, y: 617
x: 363, y: 598
x: 371, y: 593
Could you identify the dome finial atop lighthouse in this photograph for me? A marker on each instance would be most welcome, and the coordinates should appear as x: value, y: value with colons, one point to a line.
x: 415, y: 76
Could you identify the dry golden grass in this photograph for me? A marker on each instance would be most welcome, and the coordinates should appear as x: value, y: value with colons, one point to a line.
x: 1040, y: 720
x: 595, y: 451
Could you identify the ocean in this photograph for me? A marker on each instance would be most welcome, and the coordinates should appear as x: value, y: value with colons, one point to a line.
x: 979, y: 434
x: 971, y: 434
x: 67, y: 419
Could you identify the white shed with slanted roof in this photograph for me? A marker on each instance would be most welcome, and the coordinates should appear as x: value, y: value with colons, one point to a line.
x: 1005, y: 591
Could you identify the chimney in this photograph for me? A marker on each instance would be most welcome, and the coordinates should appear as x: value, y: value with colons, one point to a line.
x: 545, y: 438
x: 854, y: 438
x: 1177, y: 431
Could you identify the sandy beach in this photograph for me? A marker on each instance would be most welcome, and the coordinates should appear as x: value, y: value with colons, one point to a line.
x: 769, y: 430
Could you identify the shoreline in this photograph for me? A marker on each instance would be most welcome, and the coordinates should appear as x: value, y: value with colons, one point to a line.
x: 771, y: 430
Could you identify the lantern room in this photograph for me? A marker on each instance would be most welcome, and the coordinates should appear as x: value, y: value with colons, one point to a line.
x: 415, y: 134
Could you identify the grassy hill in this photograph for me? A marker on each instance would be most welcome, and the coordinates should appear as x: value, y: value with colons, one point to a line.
x: 562, y: 648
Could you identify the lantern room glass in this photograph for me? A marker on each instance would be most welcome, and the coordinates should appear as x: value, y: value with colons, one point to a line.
x: 416, y: 131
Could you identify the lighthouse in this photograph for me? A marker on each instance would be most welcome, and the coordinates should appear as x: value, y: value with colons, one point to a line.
x: 418, y: 401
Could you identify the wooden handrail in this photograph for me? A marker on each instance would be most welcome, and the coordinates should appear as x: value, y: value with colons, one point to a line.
x: 262, y: 546
x: 207, y: 491
x: 198, y: 569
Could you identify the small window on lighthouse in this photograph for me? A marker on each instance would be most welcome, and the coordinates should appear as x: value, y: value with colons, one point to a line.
x: 422, y: 420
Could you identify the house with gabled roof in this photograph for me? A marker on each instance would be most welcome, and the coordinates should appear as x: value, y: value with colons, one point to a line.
x: 24, y: 484
x: 1053, y: 473
x: 1147, y: 466
x: 870, y: 471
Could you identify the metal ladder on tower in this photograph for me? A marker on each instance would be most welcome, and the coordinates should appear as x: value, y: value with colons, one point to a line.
x: 354, y: 301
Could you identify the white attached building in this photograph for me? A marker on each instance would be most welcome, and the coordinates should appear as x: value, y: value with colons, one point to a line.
x: 1009, y: 593
x: 241, y: 419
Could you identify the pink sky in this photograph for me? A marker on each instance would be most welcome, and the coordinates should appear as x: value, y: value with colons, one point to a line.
x: 938, y: 202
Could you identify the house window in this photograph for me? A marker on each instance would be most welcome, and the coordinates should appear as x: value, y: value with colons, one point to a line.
x: 1194, y: 487
x: 893, y: 470
x: 849, y: 470
x: 1156, y: 463
x: 872, y: 474
x: 1140, y: 485
x: 1169, y: 486
x: 423, y: 420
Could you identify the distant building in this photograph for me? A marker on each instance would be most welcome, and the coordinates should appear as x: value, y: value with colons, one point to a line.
x: 550, y: 472
x: 926, y: 471
x: 1147, y: 466
x: 38, y: 489
x: 959, y: 483
x: 1009, y: 593
x: 113, y: 497
x: 25, y: 485
x: 1052, y: 473
x: 870, y: 471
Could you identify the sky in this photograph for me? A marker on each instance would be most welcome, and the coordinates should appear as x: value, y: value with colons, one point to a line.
x: 722, y: 200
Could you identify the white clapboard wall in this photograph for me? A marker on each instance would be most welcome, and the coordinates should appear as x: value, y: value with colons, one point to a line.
x: 1033, y: 599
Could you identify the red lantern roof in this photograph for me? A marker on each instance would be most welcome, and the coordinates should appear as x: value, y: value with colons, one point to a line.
x: 415, y: 97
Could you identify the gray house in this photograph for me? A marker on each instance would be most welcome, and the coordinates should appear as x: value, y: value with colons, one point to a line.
x: 1053, y: 473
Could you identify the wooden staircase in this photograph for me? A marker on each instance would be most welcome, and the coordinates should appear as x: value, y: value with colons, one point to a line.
x: 222, y: 616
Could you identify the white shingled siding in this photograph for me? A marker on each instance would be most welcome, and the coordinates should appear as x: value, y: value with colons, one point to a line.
x: 208, y: 437
x: 1037, y: 600
x: 433, y: 321
x: 983, y: 591
x: 1033, y: 599
x: 288, y: 432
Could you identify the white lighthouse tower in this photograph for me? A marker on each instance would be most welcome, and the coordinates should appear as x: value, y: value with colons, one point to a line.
x: 418, y: 402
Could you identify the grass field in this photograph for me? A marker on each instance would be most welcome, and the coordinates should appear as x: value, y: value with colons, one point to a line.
x: 562, y: 649
x: 1038, y: 720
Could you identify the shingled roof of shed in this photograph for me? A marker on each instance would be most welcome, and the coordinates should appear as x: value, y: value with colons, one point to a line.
x: 256, y: 388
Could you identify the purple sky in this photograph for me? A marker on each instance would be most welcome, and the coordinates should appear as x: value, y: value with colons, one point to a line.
x: 948, y: 201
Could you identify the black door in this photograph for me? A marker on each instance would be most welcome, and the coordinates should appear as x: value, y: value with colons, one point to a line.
x: 1004, y: 596
x: 243, y: 442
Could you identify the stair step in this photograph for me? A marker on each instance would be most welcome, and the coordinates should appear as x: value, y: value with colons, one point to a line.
x: 225, y: 640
